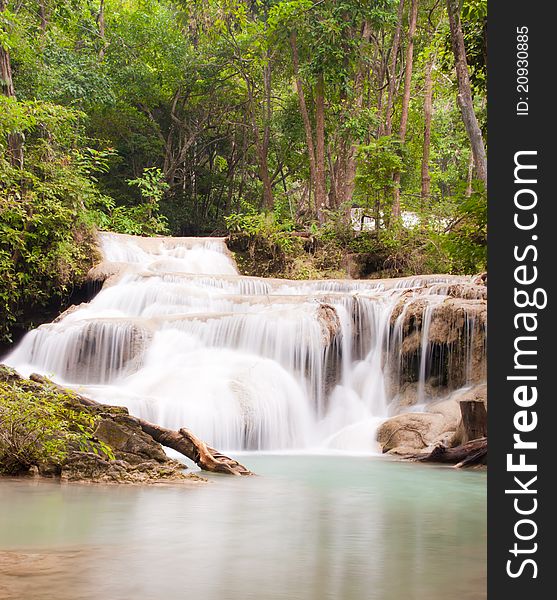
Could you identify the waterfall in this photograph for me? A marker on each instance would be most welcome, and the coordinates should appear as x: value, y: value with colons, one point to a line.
x: 183, y: 340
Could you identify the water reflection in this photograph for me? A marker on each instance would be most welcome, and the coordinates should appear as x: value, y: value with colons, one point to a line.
x: 310, y: 528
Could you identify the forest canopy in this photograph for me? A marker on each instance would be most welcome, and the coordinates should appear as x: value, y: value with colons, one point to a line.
x: 260, y: 118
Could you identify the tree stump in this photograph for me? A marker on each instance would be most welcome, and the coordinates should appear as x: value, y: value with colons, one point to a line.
x: 474, y: 420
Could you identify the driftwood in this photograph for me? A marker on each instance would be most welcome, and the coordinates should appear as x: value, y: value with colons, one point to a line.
x: 189, y: 445
x: 465, y: 455
x: 183, y: 441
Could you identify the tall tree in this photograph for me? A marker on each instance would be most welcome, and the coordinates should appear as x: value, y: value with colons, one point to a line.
x: 320, y: 172
x: 392, y: 69
x: 304, y: 112
x: 413, y: 19
x: 464, y: 98
x: 102, y: 29
x: 428, y: 111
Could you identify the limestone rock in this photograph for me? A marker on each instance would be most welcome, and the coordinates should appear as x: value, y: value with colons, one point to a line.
x: 456, y: 341
x: 411, y: 431
x: 107, y: 273
x: 329, y: 321
x: 88, y: 466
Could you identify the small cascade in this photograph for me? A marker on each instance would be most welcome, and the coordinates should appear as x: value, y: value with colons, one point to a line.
x: 181, y: 339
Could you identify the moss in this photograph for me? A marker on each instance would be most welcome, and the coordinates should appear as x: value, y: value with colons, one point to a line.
x: 40, y: 425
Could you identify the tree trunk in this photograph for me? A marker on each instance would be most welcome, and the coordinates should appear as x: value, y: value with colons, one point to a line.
x: 101, y: 24
x: 185, y: 442
x: 428, y: 97
x: 408, y: 69
x: 268, y: 200
x: 474, y: 420
x: 351, y: 149
x: 305, y: 116
x: 392, y: 70
x: 464, y: 98
x: 15, y: 140
x: 262, y: 144
x: 42, y: 16
x: 405, y: 99
x: 470, y: 175
x: 320, y: 184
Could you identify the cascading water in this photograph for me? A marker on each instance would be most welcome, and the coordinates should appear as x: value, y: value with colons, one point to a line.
x: 246, y: 363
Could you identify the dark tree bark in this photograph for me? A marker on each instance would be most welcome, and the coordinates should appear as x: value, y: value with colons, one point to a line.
x: 474, y: 420
x: 465, y: 455
x: 345, y: 187
x: 42, y: 16
x: 464, y: 98
x: 405, y: 98
x: 262, y: 141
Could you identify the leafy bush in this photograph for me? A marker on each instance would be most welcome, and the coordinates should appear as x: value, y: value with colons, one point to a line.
x: 466, y: 243
x: 50, y: 206
x: 142, y: 219
x: 40, y: 426
x: 46, y: 234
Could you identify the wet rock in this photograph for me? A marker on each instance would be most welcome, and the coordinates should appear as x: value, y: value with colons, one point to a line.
x: 409, y: 393
x: 411, y: 432
x: 329, y: 322
x: 87, y: 466
x: 70, y: 310
x: 127, y: 440
x: 9, y: 375
x: 97, y: 443
x: 466, y: 291
x: 103, y: 348
x: 456, y: 341
x: 107, y: 273
x: 448, y: 408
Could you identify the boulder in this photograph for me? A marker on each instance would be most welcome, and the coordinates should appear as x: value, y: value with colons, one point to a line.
x: 329, y: 322
x: 127, y: 440
x: 411, y: 432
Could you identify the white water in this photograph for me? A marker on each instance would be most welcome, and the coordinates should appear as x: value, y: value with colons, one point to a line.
x: 246, y: 363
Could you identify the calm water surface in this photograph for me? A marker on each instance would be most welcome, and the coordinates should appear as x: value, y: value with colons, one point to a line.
x: 308, y: 528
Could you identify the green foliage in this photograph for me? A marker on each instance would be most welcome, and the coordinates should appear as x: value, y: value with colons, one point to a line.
x: 377, y: 162
x: 161, y: 124
x: 45, y: 234
x: 142, y: 219
x: 40, y: 425
x: 466, y: 243
x: 263, y: 227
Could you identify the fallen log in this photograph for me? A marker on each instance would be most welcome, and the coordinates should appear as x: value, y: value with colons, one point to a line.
x: 186, y: 443
x: 465, y: 455
x: 183, y: 441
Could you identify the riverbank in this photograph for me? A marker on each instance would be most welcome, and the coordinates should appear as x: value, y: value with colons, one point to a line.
x: 47, y: 431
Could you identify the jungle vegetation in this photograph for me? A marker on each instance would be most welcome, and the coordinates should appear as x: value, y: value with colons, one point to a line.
x: 284, y: 123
